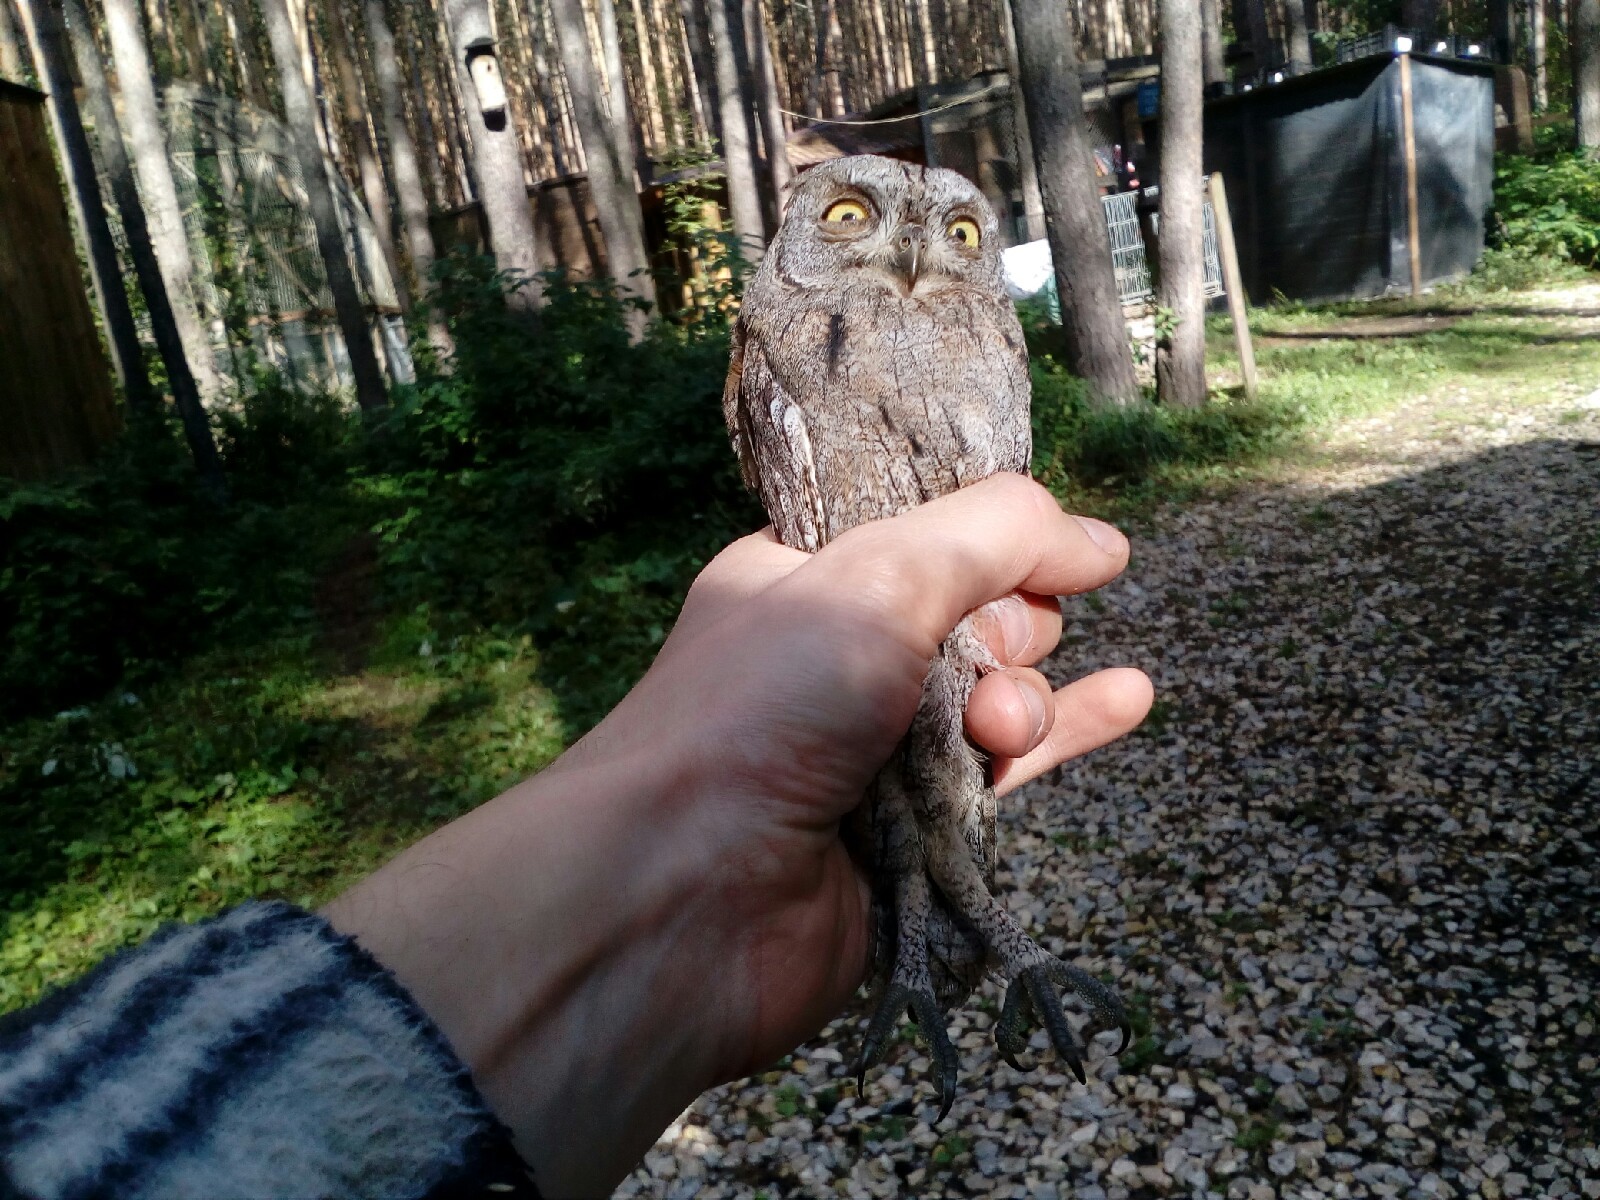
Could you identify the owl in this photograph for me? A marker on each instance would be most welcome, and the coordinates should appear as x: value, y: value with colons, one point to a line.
x: 878, y: 363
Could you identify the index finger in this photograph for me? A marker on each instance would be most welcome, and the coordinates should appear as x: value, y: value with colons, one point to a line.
x: 931, y: 566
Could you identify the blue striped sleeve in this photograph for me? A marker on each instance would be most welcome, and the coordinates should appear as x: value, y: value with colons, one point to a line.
x: 259, y: 1054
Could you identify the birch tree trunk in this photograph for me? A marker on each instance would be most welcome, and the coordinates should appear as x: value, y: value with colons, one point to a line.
x: 407, y: 177
x: 1097, y: 340
x: 1212, y: 49
x: 1181, y: 356
x: 610, y: 175
x: 496, y: 161
x: 1538, y: 75
x: 300, y: 116
x: 744, y: 200
x: 125, y: 193
x: 41, y: 26
x: 1584, y: 33
x: 147, y: 142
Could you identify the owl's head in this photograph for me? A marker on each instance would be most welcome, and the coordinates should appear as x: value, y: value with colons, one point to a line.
x: 879, y: 222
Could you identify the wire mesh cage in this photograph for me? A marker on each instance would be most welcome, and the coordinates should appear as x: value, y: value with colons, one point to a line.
x: 1135, y: 284
x: 258, y: 274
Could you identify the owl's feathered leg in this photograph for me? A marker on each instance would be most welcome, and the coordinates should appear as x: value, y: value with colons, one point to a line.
x: 909, y: 988
x: 952, y: 802
x: 1032, y: 973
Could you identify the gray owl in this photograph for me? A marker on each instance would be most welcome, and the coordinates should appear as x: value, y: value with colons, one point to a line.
x: 877, y: 364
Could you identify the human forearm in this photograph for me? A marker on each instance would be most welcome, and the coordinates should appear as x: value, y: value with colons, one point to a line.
x: 544, y: 934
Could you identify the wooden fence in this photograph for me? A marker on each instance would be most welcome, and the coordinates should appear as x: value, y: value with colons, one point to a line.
x: 56, y: 401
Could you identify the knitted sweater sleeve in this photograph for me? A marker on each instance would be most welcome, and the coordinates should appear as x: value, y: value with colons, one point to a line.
x: 259, y: 1054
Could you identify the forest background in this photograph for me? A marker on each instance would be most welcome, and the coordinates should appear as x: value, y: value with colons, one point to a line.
x: 356, y: 621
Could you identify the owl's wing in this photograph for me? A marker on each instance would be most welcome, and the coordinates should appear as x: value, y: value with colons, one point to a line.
x: 732, y: 411
x: 772, y: 436
x: 1013, y: 401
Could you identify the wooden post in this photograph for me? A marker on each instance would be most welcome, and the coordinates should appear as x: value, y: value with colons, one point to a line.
x: 1409, y: 133
x: 1232, y: 283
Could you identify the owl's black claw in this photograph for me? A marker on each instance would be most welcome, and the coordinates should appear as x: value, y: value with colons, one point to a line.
x: 1047, y: 1004
x: 1102, y: 1001
x: 925, y: 1011
x: 1032, y: 989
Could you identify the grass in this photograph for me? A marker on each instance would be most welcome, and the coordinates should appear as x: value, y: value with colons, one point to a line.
x: 277, y: 769
x: 1127, y: 461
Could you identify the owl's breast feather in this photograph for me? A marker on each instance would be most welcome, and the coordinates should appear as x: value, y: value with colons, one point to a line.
x: 902, y: 400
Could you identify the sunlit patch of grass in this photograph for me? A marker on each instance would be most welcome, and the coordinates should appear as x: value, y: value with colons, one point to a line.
x: 264, y: 777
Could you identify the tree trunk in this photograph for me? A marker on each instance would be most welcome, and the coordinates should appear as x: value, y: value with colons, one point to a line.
x: 13, y: 64
x: 1502, y: 31
x: 1419, y: 15
x: 1538, y: 76
x: 300, y: 117
x: 1097, y: 339
x: 374, y: 189
x: 1297, y: 36
x: 147, y: 142
x: 773, y: 132
x: 42, y: 28
x: 1263, y: 50
x: 618, y: 107
x: 1027, y: 169
x: 610, y: 175
x: 744, y: 199
x: 655, y: 83
x: 819, y: 70
x: 1181, y: 355
x: 1584, y: 33
x: 119, y: 174
x: 1212, y: 49
x: 405, y: 173
x: 928, y: 61
x: 496, y: 161
x: 704, y: 62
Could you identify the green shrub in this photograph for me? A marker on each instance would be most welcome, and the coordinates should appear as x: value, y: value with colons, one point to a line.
x: 1548, y: 206
x: 118, y: 571
x: 566, y: 485
x: 1077, y: 443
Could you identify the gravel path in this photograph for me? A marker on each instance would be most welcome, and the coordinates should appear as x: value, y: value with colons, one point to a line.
x: 1346, y: 874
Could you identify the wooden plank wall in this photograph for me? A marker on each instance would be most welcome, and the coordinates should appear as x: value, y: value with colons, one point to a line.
x: 56, y: 398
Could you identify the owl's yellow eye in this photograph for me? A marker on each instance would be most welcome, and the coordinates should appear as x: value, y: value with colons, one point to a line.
x: 965, y: 231
x: 845, y: 212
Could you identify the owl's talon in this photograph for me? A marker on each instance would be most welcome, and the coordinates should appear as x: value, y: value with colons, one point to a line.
x: 925, y: 1011
x: 1032, y: 989
x: 1107, y: 1008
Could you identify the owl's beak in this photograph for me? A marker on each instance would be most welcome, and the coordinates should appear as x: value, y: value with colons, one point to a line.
x: 909, y: 245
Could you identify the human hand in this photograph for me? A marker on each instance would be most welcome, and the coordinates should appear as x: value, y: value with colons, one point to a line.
x: 670, y: 905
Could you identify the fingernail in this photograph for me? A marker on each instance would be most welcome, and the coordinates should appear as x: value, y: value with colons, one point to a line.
x: 1035, y: 705
x: 1016, y: 626
x: 1108, y: 537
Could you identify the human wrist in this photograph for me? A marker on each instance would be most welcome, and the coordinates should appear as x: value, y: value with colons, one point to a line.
x: 552, y: 936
